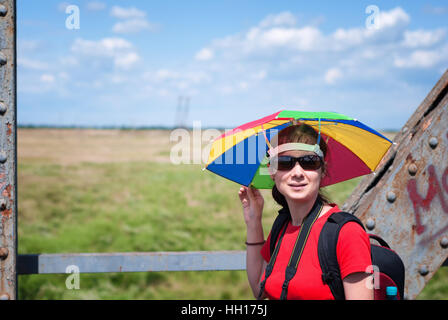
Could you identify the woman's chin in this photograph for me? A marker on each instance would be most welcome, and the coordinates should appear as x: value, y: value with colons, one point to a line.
x: 299, y: 196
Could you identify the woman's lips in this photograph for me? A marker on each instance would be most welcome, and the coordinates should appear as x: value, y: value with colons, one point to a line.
x: 297, y: 186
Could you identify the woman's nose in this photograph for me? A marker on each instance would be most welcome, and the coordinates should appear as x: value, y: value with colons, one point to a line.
x: 297, y: 170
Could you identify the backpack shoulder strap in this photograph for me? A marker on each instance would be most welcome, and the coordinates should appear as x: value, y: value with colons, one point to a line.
x: 299, y: 246
x: 326, y: 250
x: 279, y: 222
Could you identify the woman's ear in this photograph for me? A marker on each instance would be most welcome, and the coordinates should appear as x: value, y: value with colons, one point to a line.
x: 324, y: 170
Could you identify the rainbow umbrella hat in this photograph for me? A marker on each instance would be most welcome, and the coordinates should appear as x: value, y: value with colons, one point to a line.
x: 353, y: 149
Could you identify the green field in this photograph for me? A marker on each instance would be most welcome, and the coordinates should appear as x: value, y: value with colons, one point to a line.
x: 116, y: 191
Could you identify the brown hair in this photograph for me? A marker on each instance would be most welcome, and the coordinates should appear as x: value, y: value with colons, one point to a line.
x: 298, y: 133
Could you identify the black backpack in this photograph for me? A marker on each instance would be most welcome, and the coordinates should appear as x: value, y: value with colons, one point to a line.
x: 388, y: 267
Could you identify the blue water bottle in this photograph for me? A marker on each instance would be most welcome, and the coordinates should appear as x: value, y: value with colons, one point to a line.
x: 391, y: 293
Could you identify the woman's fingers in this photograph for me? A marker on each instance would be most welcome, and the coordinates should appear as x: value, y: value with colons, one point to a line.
x: 242, y: 193
x: 255, y: 192
x: 255, y: 195
x: 250, y: 193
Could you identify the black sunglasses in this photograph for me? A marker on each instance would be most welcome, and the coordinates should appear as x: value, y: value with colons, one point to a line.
x: 308, y: 162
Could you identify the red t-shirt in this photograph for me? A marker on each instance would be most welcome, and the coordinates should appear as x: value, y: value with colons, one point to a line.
x: 353, y: 253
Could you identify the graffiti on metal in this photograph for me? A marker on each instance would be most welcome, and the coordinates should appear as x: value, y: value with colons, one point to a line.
x: 435, y: 185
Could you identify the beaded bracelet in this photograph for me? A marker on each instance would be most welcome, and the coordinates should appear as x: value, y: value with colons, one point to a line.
x: 255, y: 243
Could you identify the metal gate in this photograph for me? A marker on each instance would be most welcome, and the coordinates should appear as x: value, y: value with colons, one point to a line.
x: 406, y: 201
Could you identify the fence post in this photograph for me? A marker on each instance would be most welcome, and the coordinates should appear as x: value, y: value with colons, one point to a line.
x: 8, y: 151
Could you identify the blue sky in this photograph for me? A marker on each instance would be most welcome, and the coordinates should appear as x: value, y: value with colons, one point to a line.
x: 236, y: 61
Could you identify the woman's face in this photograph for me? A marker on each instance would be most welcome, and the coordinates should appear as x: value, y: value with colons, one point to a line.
x: 298, y: 184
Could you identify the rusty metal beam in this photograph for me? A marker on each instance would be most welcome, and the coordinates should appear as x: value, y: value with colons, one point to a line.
x: 406, y: 201
x: 8, y: 160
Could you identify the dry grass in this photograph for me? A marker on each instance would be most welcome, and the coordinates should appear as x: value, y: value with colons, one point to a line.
x: 73, y: 146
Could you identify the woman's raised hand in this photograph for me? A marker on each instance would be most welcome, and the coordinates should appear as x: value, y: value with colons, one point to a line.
x: 252, y: 202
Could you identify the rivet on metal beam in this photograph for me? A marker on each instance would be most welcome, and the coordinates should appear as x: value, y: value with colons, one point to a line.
x: 2, y: 108
x: 4, y: 253
x: 444, y: 242
x: 4, y: 296
x: 423, y: 270
x: 433, y: 142
x: 3, y: 157
x: 391, y: 196
x: 3, y: 10
x: 2, y: 204
x: 3, y: 59
x: 370, y: 224
x: 412, y: 169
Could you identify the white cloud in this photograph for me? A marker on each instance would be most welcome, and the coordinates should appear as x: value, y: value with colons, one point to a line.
x: 259, y: 75
x: 305, y: 38
x: 281, y: 19
x: 274, y: 33
x: 391, y: 25
x: 422, y: 38
x: 204, y: 54
x: 133, y: 26
x: 343, y: 38
x: 243, y: 85
x: 119, y: 50
x: 125, y: 61
x: 279, y: 32
x: 127, y: 13
x: 105, y: 46
x: 47, y: 78
x: 186, y: 81
x: 332, y: 75
x: 393, y: 18
x: 134, y: 20
x: 422, y: 58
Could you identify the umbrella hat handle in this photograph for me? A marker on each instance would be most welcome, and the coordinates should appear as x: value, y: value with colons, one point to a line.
x: 318, y: 137
x: 267, y: 141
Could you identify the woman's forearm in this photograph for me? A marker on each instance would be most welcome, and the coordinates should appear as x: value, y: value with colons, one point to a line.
x: 254, y: 261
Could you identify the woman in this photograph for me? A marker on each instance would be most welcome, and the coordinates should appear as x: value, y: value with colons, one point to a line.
x: 297, y: 189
